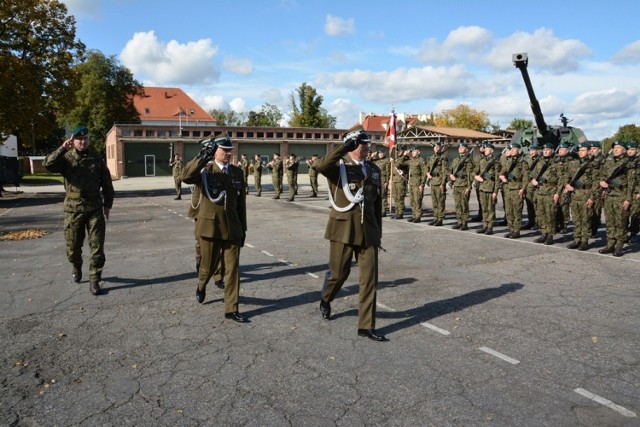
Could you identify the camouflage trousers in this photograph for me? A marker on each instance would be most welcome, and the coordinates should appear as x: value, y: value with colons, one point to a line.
x: 531, y: 205
x: 616, y: 219
x: 546, y: 212
x: 178, y: 183
x: 513, y: 205
x: 582, y: 215
x: 257, y: 178
x: 563, y: 212
x: 277, y: 184
x: 292, y: 180
x: 634, y: 218
x: 462, y: 204
x: 385, y: 197
x: 313, y: 180
x: 488, y: 209
x: 399, y: 193
x: 76, y: 226
x: 415, y: 197
x: 438, y: 199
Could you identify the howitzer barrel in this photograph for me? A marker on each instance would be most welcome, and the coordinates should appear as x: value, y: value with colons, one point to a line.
x: 520, y: 61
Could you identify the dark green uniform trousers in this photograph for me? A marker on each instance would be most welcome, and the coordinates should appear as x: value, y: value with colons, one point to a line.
x: 75, y: 224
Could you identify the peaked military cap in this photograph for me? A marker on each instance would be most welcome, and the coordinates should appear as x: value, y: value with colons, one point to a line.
x: 223, y: 141
x: 80, y: 130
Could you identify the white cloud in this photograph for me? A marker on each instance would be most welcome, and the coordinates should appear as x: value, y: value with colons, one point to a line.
x: 459, y: 44
x: 336, y: 26
x: 170, y: 63
x: 272, y: 96
x: 345, y: 112
x: 613, y: 101
x: 214, y: 102
x: 628, y: 54
x: 545, y: 51
x: 238, y: 105
x: 403, y: 84
x: 240, y: 66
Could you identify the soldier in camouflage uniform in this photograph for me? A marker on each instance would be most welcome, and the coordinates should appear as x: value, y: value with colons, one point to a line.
x: 532, y: 159
x: 291, y: 165
x: 313, y: 174
x: 244, y: 165
x: 400, y: 172
x: 176, y: 170
x: 476, y: 161
x: 461, y: 177
x: 634, y: 212
x: 582, y: 188
x: 514, y: 179
x: 486, y: 175
x: 85, y: 209
x: 617, y: 182
x: 416, y: 182
x: 547, y: 188
x: 257, y: 174
x: 437, y: 167
x: 276, y: 175
x: 383, y: 163
x: 563, y: 212
x: 597, y: 160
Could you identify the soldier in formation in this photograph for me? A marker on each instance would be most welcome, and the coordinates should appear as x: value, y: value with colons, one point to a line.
x: 291, y: 166
x: 276, y: 175
x: 513, y: 180
x: 436, y: 168
x: 547, y: 187
x: 176, y: 171
x: 244, y: 165
x: 383, y: 163
x: 399, y: 176
x: 257, y: 174
x: 461, y: 178
x: 486, y: 177
x: 313, y: 174
x: 416, y: 180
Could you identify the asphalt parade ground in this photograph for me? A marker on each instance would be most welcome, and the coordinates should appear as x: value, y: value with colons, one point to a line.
x: 483, y: 330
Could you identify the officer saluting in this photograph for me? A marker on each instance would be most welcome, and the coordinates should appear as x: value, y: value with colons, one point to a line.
x: 222, y: 218
x: 354, y: 227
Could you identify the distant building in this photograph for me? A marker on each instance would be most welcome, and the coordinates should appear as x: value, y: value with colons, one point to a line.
x: 171, y: 122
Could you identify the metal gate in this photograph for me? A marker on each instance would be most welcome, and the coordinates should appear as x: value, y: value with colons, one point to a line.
x: 149, y: 165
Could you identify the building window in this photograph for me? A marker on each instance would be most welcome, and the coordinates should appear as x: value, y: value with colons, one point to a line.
x: 317, y: 136
x: 126, y: 132
x: 185, y: 133
x: 336, y: 136
x: 240, y: 134
x: 137, y: 132
x: 269, y: 134
x: 307, y: 135
x: 325, y: 136
x: 249, y: 134
x: 149, y: 133
x: 206, y: 133
x: 173, y: 133
x: 196, y: 134
x: 147, y: 110
x: 290, y: 135
x: 299, y: 135
x: 279, y: 134
x: 260, y: 135
x: 162, y: 133
x: 230, y: 134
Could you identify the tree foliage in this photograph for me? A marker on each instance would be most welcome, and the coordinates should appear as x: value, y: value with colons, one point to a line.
x: 520, y: 124
x: 463, y: 116
x: 38, y: 49
x: 105, y: 97
x: 228, y: 117
x: 626, y: 133
x: 269, y: 116
x: 307, y: 110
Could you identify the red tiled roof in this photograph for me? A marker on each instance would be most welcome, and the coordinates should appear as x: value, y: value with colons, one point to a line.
x: 167, y: 103
x: 458, y: 132
x: 375, y: 123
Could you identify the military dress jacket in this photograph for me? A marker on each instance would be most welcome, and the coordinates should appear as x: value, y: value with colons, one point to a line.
x: 360, y: 225
x: 226, y: 219
x: 85, y: 173
x: 462, y: 168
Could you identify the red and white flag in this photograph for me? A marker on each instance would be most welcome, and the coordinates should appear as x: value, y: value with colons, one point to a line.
x: 390, y: 136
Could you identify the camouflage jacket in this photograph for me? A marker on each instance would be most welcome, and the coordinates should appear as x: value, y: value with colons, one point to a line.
x: 85, y: 174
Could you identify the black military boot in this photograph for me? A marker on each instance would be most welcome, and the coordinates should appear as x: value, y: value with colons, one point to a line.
x: 584, y: 245
x: 541, y: 239
x: 617, y: 252
x: 549, y: 240
x: 482, y: 230
x: 438, y: 223
x: 515, y: 235
x: 508, y: 235
x: 606, y: 250
x: 489, y: 231
x: 76, y: 273
x: 464, y: 226
x: 574, y: 245
x: 457, y: 226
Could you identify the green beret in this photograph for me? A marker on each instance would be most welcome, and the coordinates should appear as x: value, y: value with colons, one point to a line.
x: 584, y: 145
x: 548, y: 145
x: 80, y: 130
x: 489, y: 145
x: 594, y: 143
x: 632, y: 144
x: 515, y: 145
x: 620, y: 143
x: 564, y: 145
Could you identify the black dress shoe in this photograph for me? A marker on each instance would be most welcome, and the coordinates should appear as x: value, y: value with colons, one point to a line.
x: 371, y: 334
x: 200, y: 294
x: 219, y: 284
x: 236, y: 317
x: 325, y: 309
x: 76, y: 273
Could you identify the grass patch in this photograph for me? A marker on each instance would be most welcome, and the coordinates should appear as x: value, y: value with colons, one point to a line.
x: 42, y: 179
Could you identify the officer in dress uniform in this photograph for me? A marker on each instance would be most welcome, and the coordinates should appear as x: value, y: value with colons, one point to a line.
x: 222, y: 218
x: 354, y: 227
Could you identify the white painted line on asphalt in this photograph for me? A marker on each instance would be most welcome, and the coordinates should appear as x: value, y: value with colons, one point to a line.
x: 500, y: 355
x: 266, y: 253
x: 384, y: 307
x: 606, y: 402
x: 249, y: 245
x: 313, y: 275
x: 285, y: 262
x: 435, y: 328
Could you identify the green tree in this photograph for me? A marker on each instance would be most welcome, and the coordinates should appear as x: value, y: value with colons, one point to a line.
x: 520, y: 124
x: 38, y: 49
x: 269, y: 116
x: 463, y: 116
x: 227, y: 117
x: 626, y: 133
x: 105, y: 97
x: 307, y: 110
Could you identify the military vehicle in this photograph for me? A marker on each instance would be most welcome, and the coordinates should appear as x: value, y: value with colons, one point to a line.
x: 541, y: 132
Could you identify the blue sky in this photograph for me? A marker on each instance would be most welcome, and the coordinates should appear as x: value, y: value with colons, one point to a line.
x: 418, y: 56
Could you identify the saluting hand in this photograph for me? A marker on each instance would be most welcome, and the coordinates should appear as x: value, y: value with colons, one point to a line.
x: 68, y: 144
